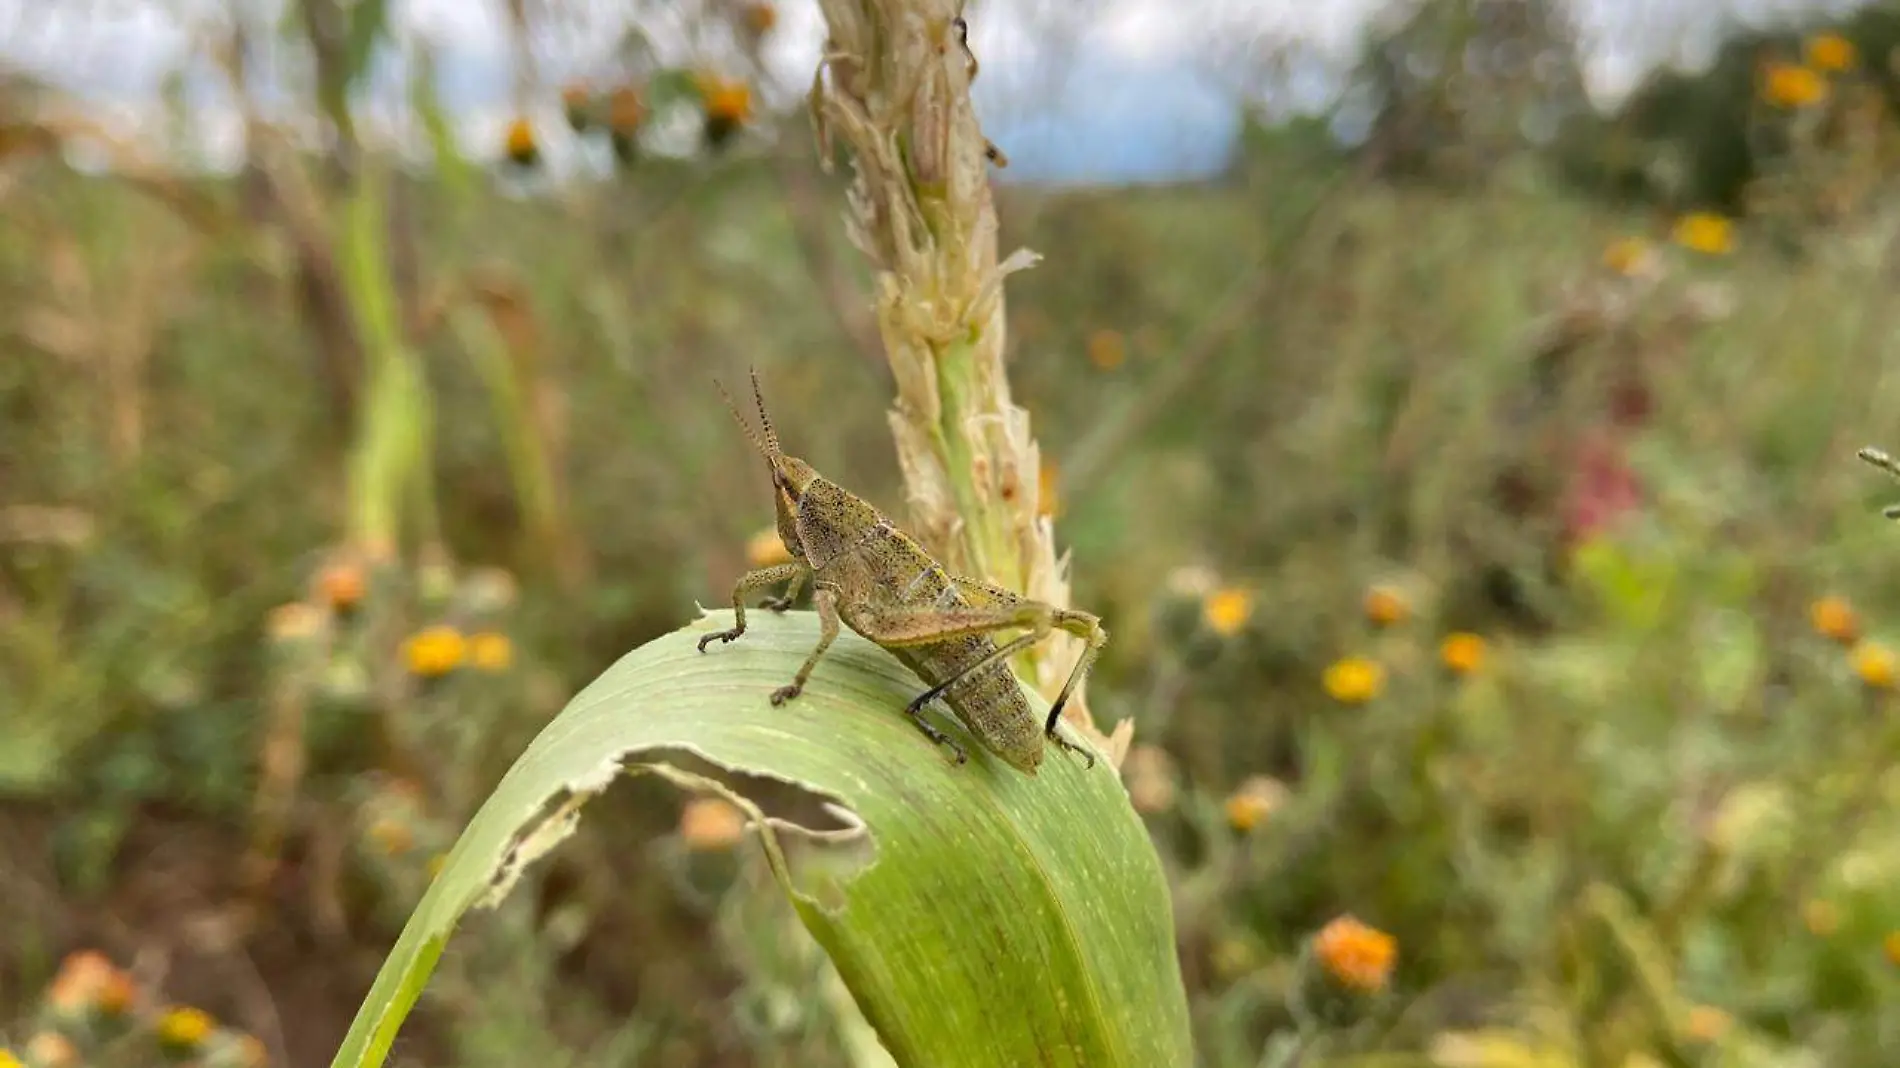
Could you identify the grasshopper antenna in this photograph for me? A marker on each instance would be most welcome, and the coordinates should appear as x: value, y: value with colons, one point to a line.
x: 767, y: 447
x: 771, y: 435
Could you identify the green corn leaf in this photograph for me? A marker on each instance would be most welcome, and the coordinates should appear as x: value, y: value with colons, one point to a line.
x: 1002, y: 920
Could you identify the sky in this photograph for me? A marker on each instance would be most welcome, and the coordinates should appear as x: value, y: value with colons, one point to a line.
x: 1074, y: 90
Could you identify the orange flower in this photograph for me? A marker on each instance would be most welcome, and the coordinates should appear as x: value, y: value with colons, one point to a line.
x: 294, y: 622
x: 1255, y: 800
x: 760, y: 18
x: 1385, y: 606
x: 341, y: 585
x: 519, y: 143
x: 1707, y: 1024
x: 1831, y: 52
x: 1357, y: 956
x: 87, y: 980
x: 1875, y: 664
x: 391, y: 836
x: 1628, y: 256
x: 626, y: 111
x: 1790, y: 85
x: 767, y: 549
x: 1106, y: 349
x: 711, y: 823
x: 1833, y: 617
x: 1462, y: 653
x: 1890, y: 946
x: 728, y: 107
x: 577, y: 102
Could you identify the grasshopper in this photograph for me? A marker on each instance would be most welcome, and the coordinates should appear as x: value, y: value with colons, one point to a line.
x: 877, y: 580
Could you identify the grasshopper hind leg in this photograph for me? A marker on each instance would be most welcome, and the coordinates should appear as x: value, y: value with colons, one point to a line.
x: 916, y: 714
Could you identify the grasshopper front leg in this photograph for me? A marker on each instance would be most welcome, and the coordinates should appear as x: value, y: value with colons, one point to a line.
x: 825, y: 600
x: 748, y: 582
x: 784, y: 601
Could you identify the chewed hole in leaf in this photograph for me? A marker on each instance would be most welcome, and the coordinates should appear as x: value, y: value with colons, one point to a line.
x: 816, y: 843
x: 873, y: 832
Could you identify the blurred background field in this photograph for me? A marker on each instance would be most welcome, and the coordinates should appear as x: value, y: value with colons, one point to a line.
x: 1461, y: 452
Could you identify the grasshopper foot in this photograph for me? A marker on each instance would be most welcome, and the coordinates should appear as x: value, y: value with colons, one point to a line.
x: 1064, y: 743
x: 915, y: 711
x: 786, y: 693
x: 776, y: 604
x: 721, y: 636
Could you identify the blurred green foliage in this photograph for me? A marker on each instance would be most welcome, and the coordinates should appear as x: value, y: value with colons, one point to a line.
x: 1651, y: 824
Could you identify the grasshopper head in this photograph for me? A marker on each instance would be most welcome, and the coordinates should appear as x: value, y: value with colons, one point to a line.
x: 790, y: 475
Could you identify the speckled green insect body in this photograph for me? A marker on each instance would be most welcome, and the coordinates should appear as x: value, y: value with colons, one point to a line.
x: 875, y: 579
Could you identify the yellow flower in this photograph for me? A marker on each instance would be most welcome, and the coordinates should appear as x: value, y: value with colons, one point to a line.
x: 1890, y: 946
x: 1790, y: 85
x: 766, y: 549
x: 1833, y: 617
x: 1357, y: 956
x: 1875, y: 664
x: 1628, y: 256
x: 1385, y: 606
x: 1707, y: 1023
x: 1462, y: 653
x: 1226, y: 610
x: 491, y: 651
x: 1106, y: 349
x: 50, y: 1049
x: 8, y: 1060
x: 1705, y: 232
x: 1255, y: 800
x: 711, y: 823
x: 1832, y: 52
x: 1354, y: 680
x: 184, y: 1029
x: 519, y: 143
x: 1820, y: 917
x: 435, y: 651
